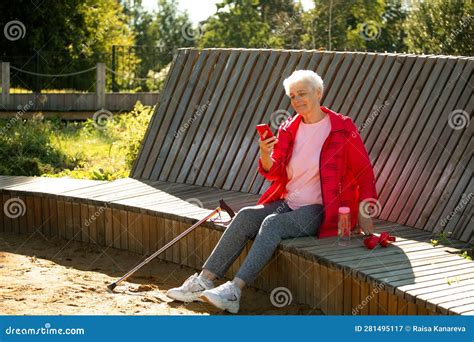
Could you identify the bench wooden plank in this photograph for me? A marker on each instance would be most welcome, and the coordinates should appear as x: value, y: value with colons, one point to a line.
x: 83, y: 227
x: 462, y: 309
x: 400, y: 134
x: 61, y: 218
x: 216, y: 130
x: 184, y: 136
x: 14, y: 181
x: 174, y: 86
x: 324, y: 288
x: 379, y: 105
x: 376, y: 143
x: 97, y: 189
x: 439, y: 180
x: 117, y: 232
x: 357, y: 85
x: 188, y: 101
x: 373, y: 83
x: 340, y: 70
x: 240, y: 96
x: 416, y: 134
x: 241, y: 122
x: 348, y: 79
x: 383, y: 303
x: 182, y: 89
x: 454, y: 199
x: 240, y: 165
x: 421, y: 156
x: 184, y: 161
x: 446, y: 299
x: 193, y: 162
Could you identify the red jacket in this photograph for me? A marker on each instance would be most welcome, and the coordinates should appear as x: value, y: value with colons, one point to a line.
x: 346, y: 172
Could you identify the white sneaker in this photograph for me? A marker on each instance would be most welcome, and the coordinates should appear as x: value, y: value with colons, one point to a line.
x: 225, y: 297
x: 191, y: 289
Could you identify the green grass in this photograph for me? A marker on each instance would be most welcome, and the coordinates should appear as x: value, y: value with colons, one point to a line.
x: 87, y: 150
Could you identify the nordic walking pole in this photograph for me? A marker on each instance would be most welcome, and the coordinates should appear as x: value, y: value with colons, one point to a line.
x: 222, y: 206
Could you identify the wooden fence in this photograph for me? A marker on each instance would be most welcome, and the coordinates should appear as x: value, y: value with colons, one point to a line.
x: 71, y: 102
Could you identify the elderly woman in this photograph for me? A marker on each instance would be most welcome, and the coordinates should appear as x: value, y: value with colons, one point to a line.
x: 317, y: 163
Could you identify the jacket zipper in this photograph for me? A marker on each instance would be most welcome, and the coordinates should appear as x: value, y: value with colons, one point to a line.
x: 320, y: 169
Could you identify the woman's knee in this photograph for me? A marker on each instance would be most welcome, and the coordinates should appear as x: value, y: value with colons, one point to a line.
x: 243, y: 216
x: 249, y: 211
x: 249, y: 216
x: 269, y: 228
x: 242, y: 223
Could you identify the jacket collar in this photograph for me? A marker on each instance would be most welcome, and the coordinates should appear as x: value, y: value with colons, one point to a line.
x: 337, y: 121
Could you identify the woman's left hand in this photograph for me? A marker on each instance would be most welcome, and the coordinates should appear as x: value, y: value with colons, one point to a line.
x: 365, y: 221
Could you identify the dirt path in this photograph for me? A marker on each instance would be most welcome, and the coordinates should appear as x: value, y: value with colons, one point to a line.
x: 40, y: 276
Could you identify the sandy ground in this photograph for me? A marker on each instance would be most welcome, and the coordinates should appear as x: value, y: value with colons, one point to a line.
x: 50, y: 276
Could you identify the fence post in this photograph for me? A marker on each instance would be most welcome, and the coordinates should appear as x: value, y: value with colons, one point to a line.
x: 114, y: 85
x: 100, y: 85
x: 6, y: 85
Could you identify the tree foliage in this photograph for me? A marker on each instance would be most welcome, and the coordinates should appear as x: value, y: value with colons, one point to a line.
x: 441, y: 27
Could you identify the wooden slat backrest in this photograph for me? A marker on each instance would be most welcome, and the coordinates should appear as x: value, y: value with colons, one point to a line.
x: 203, y: 129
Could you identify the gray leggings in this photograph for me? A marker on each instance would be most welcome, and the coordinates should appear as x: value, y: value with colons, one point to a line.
x: 269, y: 224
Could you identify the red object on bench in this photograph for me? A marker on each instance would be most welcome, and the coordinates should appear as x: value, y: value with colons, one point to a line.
x: 371, y: 241
x: 384, y: 239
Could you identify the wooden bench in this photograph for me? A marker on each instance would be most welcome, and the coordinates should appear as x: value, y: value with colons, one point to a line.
x: 201, y: 146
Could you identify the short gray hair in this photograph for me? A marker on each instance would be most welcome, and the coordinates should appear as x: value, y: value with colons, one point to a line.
x: 315, y: 81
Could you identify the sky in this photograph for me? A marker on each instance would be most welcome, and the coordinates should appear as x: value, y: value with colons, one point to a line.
x: 201, y: 9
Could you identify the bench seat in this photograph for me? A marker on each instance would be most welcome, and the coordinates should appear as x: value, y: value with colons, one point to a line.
x: 411, y: 276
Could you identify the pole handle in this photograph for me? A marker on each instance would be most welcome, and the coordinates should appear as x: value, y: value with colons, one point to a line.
x: 227, y: 208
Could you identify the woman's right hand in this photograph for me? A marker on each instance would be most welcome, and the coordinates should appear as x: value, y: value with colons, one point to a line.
x: 266, y: 145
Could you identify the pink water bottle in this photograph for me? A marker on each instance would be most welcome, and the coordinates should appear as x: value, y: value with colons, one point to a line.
x: 344, y: 224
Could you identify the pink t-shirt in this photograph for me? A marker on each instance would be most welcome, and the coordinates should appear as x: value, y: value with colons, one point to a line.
x: 304, y: 187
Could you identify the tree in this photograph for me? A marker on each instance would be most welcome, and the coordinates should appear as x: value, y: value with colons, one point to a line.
x: 171, y: 29
x: 237, y: 23
x: 284, y: 18
x: 61, y: 37
x: 342, y: 25
x: 392, y: 30
x: 146, y: 49
x: 441, y: 27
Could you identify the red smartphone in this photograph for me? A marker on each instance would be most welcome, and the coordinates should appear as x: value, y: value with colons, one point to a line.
x: 264, y: 128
